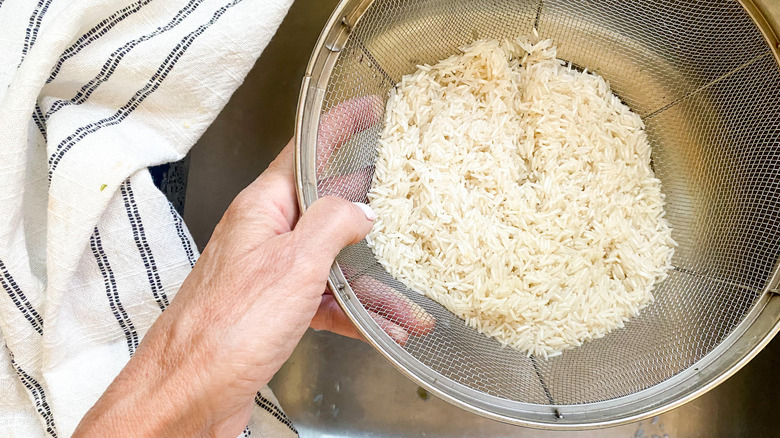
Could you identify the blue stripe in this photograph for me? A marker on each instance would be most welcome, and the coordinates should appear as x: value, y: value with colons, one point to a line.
x: 274, y: 410
x: 20, y: 300
x: 39, y: 396
x: 110, y: 66
x: 95, y: 33
x: 185, y: 241
x: 32, y: 28
x: 139, y: 235
x: 112, y: 293
x: 154, y: 83
x: 38, y: 119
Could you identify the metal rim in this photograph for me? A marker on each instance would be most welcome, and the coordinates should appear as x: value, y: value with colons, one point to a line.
x: 762, y: 322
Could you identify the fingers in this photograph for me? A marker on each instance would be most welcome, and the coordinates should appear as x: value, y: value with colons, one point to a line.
x: 330, y: 317
x: 354, y: 186
x: 329, y: 225
x: 394, y: 331
x: 342, y: 122
x: 274, y: 190
x: 392, y: 305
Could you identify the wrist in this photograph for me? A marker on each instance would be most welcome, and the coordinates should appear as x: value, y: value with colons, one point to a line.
x: 158, y: 393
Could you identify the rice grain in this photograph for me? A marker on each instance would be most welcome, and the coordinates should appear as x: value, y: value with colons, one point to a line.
x: 517, y: 192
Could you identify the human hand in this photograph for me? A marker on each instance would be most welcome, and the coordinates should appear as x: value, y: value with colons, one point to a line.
x: 238, y: 316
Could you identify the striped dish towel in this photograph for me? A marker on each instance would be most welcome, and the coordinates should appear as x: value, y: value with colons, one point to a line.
x: 92, y: 93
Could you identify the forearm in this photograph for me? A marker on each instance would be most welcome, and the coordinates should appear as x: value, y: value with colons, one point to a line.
x: 158, y: 393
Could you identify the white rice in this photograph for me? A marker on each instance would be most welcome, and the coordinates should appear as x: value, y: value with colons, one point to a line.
x: 517, y: 192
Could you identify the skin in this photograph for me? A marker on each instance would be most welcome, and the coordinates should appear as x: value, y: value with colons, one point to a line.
x: 259, y: 284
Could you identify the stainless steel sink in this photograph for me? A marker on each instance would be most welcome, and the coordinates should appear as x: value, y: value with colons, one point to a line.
x: 337, y: 387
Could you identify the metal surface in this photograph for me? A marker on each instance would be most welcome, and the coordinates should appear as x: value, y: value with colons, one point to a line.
x: 703, y: 76
x: 338, y: 387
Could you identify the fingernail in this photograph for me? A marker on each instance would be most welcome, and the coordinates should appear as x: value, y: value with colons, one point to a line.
x: 370, y: 215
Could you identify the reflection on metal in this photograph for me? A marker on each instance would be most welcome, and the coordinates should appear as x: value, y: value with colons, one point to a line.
x: 760, y: 10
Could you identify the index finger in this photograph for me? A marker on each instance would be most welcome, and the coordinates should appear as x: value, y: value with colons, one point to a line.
x: 336, y: 127
x: 339, y: 124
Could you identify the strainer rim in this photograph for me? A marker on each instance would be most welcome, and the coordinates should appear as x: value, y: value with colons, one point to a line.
x: 761, y: 322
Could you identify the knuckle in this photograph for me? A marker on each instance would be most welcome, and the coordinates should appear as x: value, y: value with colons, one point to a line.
x: 311, y: 269
x: 273, y: 181
x: 344, y: 218
x: 338, y: 209
x: 241, y: 207
x: 252, y: 199
x: 306, y: 260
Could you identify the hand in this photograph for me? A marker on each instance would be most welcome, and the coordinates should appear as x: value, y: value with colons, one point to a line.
x: 238, y: 316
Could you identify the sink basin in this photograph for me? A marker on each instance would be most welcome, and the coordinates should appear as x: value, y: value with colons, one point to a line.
x: 337, y: 387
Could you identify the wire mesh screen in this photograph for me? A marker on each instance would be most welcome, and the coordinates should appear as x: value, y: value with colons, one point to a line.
x: 707, y: 86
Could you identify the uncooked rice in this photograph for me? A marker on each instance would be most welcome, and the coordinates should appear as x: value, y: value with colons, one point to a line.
x: 517, y: 192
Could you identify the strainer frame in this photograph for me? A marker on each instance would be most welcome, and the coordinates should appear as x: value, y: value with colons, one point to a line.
x: 752, y: 334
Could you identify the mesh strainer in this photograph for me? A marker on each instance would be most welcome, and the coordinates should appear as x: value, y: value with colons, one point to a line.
x: 703, y: 74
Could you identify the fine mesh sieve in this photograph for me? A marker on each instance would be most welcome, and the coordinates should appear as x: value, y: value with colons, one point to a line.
x: 704, y: 77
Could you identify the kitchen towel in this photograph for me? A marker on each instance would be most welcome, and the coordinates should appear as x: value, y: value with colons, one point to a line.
x: 92, y: 93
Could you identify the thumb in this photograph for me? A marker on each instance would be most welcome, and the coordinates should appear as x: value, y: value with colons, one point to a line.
x: 329, y: 225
